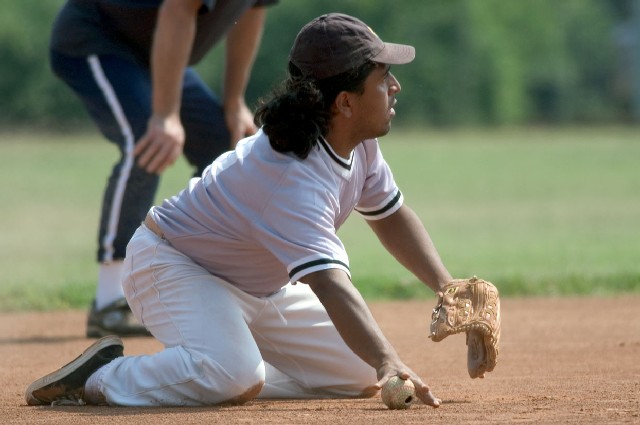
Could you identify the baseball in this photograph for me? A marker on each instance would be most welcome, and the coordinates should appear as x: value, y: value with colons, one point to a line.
x: 398, y: 393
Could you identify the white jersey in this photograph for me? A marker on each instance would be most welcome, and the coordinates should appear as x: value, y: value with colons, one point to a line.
x: 260, y: 219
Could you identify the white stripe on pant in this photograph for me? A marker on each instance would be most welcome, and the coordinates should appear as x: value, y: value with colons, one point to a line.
x: 221, y: 342
x: 128, y: 145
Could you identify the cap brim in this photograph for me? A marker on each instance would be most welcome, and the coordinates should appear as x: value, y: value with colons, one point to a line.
x: 395, y: 54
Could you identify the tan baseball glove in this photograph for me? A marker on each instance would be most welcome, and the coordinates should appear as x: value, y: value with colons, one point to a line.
x: 471, y: 306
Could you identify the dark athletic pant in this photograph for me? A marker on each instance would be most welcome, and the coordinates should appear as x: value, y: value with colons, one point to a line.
x: 117, y: 94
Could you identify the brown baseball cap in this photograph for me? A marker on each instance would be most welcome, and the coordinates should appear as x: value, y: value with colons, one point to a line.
x: 334, y: 43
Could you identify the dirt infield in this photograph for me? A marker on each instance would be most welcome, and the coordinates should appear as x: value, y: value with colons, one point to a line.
x: 562, y: 361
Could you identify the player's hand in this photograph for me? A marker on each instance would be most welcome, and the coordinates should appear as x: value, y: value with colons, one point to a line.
x: 239, y: 120
x: 161, y: 145
x: 423, y: 392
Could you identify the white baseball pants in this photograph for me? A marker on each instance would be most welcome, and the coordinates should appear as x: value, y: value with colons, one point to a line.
x: 221, y: 343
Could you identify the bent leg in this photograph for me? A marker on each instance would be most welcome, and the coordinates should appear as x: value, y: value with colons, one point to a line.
x: 210, y: 356
x: 117, y: 94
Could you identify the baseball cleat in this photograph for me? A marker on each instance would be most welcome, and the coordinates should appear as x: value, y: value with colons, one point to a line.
x: 114, y: 319
x: 66, y: 385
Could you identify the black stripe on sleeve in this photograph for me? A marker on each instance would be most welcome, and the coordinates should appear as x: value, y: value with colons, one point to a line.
x: 387, y: 207
x: 310, y: 264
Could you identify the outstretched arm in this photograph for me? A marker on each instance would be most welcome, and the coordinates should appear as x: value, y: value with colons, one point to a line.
x: 357, y: 327
x: 405, y: 237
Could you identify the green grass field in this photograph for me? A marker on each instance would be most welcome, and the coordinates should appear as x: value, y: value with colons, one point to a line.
x: 536, y: 211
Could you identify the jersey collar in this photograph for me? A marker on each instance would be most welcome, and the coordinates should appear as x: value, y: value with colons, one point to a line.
x: 343, y: 163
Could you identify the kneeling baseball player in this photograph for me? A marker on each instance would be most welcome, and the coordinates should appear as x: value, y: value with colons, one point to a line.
x: 241, y: 276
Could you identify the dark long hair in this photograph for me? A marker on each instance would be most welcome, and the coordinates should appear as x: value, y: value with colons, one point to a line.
x: 298, y: 111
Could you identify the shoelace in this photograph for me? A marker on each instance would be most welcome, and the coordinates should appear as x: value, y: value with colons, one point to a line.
x: 68, y: 400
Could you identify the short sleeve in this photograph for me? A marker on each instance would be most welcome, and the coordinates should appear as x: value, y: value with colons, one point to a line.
x: 298, y: 228
x: 380, y: 196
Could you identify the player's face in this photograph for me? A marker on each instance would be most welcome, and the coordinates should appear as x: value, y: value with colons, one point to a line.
x: 375, y: 104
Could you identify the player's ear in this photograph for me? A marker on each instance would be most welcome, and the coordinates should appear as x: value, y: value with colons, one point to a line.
x: 343, y: 104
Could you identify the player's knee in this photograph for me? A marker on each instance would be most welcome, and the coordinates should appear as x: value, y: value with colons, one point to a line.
x: 249, y: 394
x: 249, y: 383
x: 236, y: 390
x: 234, y: 384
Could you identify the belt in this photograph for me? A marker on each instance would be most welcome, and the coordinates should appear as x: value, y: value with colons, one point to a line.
x: 151, y: 225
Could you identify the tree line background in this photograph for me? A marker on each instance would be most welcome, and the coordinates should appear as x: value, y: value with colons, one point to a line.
x: 479, y: 62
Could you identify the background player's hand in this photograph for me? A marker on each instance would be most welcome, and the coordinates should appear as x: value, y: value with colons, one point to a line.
x: 161, y: 145
x: 239, y: 120
x: 423, y: 392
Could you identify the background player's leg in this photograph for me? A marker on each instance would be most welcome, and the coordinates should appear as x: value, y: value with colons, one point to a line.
x: 116, y: 93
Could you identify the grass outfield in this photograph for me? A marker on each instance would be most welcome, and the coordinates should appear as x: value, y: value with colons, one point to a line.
x: 537, y: 211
